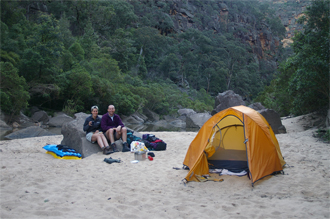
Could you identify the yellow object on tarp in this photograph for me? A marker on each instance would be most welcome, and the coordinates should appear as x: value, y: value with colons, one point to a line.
x: 64, y: 157
x: 232, y: 138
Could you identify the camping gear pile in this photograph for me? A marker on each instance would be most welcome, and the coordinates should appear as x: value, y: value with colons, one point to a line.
x: 237, y: 139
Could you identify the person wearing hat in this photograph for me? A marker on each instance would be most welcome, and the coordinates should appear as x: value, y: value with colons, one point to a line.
x: 92, y: 127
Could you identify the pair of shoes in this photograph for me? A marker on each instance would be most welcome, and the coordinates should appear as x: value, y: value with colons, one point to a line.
x: 114, y: 147
x: 110, y: 160
x: 125, y: 147
x: 106, y: 150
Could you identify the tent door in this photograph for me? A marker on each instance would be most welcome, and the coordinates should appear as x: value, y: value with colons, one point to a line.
x: 228, y: 140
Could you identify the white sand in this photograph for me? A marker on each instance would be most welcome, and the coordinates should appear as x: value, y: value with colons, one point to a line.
x: 36, y: 185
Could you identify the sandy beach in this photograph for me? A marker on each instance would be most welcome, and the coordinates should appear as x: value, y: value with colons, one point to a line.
x: 36, y: 185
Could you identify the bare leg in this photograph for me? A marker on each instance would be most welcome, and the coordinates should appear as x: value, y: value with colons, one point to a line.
x: 97, y: 138
x: 105, y: 142
x: 124, y: 134
x: 109, y: 134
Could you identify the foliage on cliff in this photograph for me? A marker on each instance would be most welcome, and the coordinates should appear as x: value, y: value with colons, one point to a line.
x: 135, y: 54
x: 302, y: 85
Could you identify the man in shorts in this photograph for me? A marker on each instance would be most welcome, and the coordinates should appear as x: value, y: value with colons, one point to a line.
x: 114, y: 129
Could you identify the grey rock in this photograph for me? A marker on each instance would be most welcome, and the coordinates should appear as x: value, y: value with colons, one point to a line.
x: 34, y: 109
x: 132, y: 120
x: 40, y: 116
x: 4, y: 125
x: 29, y: 132
x: 59, y: 120
x: 227, y: 99
x: 23, y: 120
x: 178, y: 123
x: 169, y: 118
x: 186, y: 112
x: 257, y: 106
x: 197, y: 120
x: 152, y: 116
x: 274, y: 120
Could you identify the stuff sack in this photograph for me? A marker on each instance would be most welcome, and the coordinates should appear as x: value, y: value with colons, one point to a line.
x: 160, y: 145
x: 131, y: 138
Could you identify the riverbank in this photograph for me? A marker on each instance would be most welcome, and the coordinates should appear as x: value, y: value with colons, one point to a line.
x: 36, y: 185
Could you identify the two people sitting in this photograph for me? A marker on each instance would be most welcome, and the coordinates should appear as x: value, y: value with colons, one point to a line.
x: 112, y: 127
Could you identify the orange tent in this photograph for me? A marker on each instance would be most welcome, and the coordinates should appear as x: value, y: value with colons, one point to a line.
x: 237, y: 138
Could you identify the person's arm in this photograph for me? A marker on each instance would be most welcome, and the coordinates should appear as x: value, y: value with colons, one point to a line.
x: 104, y: 123
x: 99, y: 125
x: 86, y: 125
x: 119, y: 122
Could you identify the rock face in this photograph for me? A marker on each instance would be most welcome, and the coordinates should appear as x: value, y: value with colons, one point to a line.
x: 29, y: 132
x: 135, y: 118
x: 197, y: 120
x: 227, y: 99
x: 274, y: 120
x: 257, y: 106
x: 23, y: 120
x: 75, y: 137
x: 40, y: 116
x: 152, y: 116
x: 59, y: 120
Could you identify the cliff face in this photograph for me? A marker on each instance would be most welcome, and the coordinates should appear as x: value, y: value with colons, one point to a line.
x: 289, y: 12
x: 227, y: 16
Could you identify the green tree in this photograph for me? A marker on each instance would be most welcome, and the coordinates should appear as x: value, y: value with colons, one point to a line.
x: 40, y: 60
x: 13, y: 89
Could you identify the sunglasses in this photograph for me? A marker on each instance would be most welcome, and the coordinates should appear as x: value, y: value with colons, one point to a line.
x: 94, y: 107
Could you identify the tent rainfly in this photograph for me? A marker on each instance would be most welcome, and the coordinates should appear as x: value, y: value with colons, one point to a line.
x: 238, y: 138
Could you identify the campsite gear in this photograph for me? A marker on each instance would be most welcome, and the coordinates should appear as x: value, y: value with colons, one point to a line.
x: 125, y: 147
x: 114, y: 147
x: 138, y: 146
x: 153, y: 143
x: 238, y: 138
x: 62, y: 151
x: 110, y: 160
x: 151, y: 154
x: 131, y: 138
x: 160, y: 145
x: 140, y: 155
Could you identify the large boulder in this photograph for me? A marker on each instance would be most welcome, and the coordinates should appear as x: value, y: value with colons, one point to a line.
x: 197, y: 120
x: 274, y: 120
x: 227, y: 99
x: 3, y: 125
x: 40, y: 116
x: 186, y: 112
x: 75, y: 137
x: 135, y: 118
x: 59, y: 120
x: 152, y: 116
x: 23, y: 120
x: 257, y: 106
x: 29, y: 132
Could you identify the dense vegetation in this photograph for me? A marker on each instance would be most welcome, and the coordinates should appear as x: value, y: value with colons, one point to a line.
x: 302, y: 85
x: 75, y: 54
